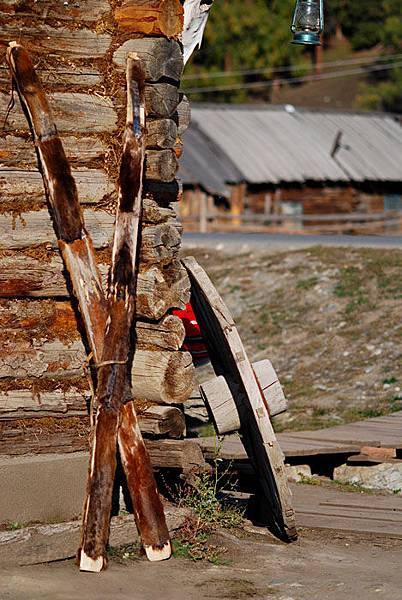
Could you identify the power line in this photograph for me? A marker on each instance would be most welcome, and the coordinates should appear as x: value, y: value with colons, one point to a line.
x: 261, y: 84
x: 290, y: 68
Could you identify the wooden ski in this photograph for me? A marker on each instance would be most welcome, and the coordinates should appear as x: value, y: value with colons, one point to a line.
x: 112, y: 370
x: 77, y: 251
x: 229, y: 358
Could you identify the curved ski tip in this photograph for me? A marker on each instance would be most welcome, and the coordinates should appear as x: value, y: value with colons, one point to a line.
x: 157, y: 554
x: 93, y: 565
x: 13, y: 44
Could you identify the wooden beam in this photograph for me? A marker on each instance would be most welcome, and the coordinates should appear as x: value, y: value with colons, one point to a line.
x: 29, y: 403
x: 62, y: 42
x: 15, y: 151
x: 93, y: 186
x: 223, y: 407
x: 87, y: 12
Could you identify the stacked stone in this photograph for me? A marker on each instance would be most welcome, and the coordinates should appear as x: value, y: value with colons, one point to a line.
x: 80, y: 50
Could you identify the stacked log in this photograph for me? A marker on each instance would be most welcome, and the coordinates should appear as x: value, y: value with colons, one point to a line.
x: 80, y: 51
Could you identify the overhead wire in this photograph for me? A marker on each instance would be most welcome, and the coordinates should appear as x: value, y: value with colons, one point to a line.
x: 286, y: 80
x: 290, y: 68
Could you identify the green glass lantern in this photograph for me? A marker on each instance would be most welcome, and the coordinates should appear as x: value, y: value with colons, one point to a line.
x: 308, y: 22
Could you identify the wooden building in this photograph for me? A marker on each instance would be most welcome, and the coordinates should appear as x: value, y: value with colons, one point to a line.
x: 283, y: 166
x: 80, y: 50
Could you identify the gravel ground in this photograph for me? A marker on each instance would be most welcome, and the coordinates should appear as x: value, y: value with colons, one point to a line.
x: 328, y: 319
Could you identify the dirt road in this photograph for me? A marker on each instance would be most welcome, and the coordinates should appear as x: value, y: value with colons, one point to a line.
x: 321, y: 566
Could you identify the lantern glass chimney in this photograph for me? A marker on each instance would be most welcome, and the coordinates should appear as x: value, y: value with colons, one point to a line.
x: 308, y: 22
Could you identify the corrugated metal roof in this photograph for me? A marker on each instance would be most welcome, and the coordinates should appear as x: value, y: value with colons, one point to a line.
x: 283, y: 144
x: 204, y: 163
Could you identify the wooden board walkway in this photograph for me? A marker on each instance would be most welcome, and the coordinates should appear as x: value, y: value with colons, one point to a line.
x: 379, y: 432
x: 325, y: 507
x: 382, y: 432
x: 321, y: 507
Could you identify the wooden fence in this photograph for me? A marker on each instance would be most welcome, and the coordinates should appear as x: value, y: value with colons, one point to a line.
x: 381, y: 222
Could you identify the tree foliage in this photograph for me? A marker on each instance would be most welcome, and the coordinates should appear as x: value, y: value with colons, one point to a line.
x: 247, y: 35
x: 385, y: 90
x: 244, y: 35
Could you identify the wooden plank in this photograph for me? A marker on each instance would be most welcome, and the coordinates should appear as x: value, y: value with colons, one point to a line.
x: 88, y: 11
x: 325, y: 508
x: 366, y: 459
x: 229, y: 358
x: 159, y: 57
x: 59, y: 42
x: 150, y: 17
x: 93, y: 186
x: 74, y: 112
x: 379, y: 431
x: 309, y: 440
x: 184, y: 455
x: 16, y: 151
x: 233, y: 449
x: 222, y: 407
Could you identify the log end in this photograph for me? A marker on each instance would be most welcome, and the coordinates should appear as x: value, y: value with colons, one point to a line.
x: 91, y: 565
x: 158, y: 554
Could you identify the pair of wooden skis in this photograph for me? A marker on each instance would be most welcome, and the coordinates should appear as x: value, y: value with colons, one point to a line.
x: 107, y: 319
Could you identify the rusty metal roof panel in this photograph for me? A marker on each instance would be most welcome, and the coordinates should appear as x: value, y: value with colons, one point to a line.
x: 284, y: 144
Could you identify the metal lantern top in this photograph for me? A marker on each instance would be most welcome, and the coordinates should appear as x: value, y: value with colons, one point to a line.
x: 308, y: 22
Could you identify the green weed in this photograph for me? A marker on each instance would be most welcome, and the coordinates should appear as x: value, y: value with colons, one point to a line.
x: 14, y: 526
x: 307, y: 284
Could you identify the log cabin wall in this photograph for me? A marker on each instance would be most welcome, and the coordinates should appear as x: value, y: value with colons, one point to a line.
x: 80, y: 50
x: 318, y: 200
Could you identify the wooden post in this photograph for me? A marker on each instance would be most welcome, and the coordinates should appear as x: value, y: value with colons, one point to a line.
x: 237, y: 197
x: 203, y: 208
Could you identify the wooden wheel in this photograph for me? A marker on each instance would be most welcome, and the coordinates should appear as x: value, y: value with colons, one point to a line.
x: 229, y: 359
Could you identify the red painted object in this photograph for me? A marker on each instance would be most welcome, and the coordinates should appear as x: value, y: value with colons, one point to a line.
x: 193, y: 342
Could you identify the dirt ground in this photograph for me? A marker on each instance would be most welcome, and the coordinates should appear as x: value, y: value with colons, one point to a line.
x: 322, y: 565
x: 328, y: 319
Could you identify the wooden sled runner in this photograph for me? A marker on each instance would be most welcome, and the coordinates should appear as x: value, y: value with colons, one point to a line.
x: 229, y: 359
